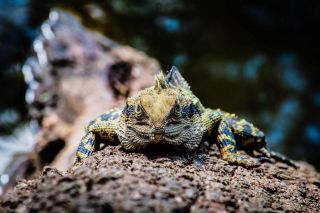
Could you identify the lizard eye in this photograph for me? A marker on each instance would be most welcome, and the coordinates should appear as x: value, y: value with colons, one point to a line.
x: 138, y: 112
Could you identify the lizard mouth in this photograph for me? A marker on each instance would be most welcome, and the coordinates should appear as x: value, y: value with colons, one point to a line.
x: 138, y: 137
x: 156, y: 133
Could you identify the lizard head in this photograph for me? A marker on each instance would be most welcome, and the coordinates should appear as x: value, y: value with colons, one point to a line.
x: 167, y: 113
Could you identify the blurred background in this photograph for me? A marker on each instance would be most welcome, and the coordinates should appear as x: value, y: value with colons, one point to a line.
x: 258, y: 60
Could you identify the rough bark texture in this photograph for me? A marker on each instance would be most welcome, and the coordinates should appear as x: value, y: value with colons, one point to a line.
x: 85, y: 75
x: 114, y: 180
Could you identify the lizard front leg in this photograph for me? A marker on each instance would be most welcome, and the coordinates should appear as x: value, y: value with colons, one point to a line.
x: 227, y: 146
x: 251, y: 138
x: 248, y: 136
x: 214, y: 121
x: 103, y: 128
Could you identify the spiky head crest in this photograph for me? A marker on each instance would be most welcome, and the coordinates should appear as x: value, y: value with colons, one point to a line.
x: 161, y: 82
x: 166, y: 113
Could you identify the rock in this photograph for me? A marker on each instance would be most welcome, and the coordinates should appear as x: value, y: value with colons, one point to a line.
x: 82, y: 75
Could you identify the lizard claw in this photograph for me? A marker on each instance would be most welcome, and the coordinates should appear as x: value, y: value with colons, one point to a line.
x: 241, y: 160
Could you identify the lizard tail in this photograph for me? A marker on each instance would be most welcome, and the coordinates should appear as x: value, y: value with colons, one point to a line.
x: 277, y: 156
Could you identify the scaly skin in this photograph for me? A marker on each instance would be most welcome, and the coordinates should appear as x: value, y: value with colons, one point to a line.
x: 169, y: 113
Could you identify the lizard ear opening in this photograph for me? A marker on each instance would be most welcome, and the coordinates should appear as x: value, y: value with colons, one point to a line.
x: 175, y: 79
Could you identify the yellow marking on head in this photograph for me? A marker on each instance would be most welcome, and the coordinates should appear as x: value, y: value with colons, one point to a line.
x: 158, y: 104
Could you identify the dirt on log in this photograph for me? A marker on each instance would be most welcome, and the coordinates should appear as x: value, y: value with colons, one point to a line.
x: 113, y: 180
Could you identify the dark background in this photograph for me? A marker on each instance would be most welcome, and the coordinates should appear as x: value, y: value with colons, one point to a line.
x: 259, y: 60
